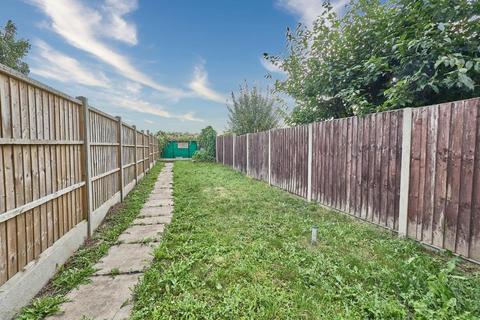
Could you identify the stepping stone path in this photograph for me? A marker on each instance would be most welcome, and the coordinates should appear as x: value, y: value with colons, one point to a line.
x: 108, y: 295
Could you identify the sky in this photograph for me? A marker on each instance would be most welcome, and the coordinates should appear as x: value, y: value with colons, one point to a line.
x: 159, y: 64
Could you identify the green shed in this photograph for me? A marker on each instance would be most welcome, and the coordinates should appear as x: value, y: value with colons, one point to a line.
x: 179, y: 149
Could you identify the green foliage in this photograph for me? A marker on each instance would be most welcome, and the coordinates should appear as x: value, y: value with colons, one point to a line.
x: 12, y: 51
x: 79, y: 267
x: 252, y: 111
x: 382, y: 55
x: 207, y: 141
x: 202, y: 156
x: 42, y: 307
x: 240, y: 249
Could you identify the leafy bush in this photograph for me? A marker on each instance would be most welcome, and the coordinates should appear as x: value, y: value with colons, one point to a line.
x: 202, y: 156
x: 382, y: 55
x: 207, y: 141
x: 253, y: 111
x: 13, y: 50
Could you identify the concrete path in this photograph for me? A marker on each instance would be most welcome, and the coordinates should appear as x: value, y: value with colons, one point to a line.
x: 108, y: 295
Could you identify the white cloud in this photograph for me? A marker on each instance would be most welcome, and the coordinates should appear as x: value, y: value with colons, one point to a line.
x: 309, y: 10
x: 116, y: 26
x: 142, y: 106
x: 149, y: 121
x: 58, y: 66
x: 133, y: 87
x: 82, y: 27
x: 270, y: 67
x: 200, y: 86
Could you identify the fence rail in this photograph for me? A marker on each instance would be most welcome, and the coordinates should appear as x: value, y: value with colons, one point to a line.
x: 62, y: 162
x: 413, y: 171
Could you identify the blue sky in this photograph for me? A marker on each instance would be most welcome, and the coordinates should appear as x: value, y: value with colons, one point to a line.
x: 167, y: 65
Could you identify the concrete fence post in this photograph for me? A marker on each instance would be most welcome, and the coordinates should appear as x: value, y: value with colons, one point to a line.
x: 87, y: 170
x: 120, y: 156
x: 405, y: 172
x: 309, y: 163
x: 269, y: 157
x: 148, y: 149
x: 136, y: 155
x: 143, y: 152
x: 248, y: 153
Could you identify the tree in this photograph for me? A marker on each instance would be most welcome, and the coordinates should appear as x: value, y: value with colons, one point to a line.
x: 382, y: 55
x: 252, y: 111
x: 12, y: 51
x: 207, y: 141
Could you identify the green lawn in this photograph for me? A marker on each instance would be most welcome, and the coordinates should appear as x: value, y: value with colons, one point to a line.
x: 239, y: 249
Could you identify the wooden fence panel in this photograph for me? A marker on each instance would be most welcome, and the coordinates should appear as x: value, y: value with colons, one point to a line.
x: 228, y: 150
x: 355, y: 166
x: 289, y: 153
x: 40, y: 157
x: 140, y: 153
x: 128, y: 156
x: 219, y: 149
x: 444, y: 206
x: 241, y: 153
x: 104, y: 157
x: 258, y: 155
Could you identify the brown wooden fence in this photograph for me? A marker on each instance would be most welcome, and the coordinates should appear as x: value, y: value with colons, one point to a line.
x: 240, y: 154
x: 258, y: 155
x: 52, y: 177
x: 413, y: 171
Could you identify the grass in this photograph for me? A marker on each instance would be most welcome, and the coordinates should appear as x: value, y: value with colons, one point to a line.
x: 79, y: 267
x: 239, y: 249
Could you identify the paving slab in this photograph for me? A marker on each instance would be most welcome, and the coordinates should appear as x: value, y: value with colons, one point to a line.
x: 153, y: 220
x: 105, y: 297
x: 159, y: 203
x: 125, y: 258
x: 155, y: 211
x: 163, y: 191
x: 163, y: 184
x: 135, y: 234
x: 161, y: 195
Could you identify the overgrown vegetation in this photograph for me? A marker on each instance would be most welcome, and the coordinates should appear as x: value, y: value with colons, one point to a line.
x: 382, y: 55
x: 79, y: 267
x: 239, y: 249
x: 253, y: 111
x: 13, y: 50
x: 207, y: 141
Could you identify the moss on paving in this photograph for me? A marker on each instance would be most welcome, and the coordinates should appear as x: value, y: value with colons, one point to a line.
x: 239, y: 249
x: 79, y: 267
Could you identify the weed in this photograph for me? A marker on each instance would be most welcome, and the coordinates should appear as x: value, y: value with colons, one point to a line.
x: 41, y: 308
x: 114, y: 272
